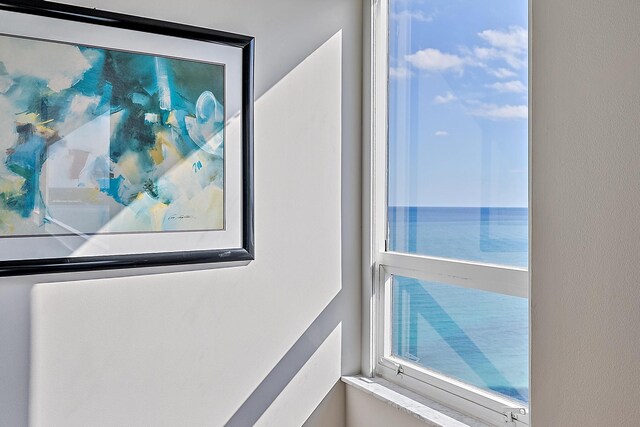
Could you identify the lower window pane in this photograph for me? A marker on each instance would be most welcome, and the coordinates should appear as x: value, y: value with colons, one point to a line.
x: 480, y: 338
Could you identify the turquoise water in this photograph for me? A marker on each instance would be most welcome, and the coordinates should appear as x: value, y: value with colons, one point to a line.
x: 478, y: 337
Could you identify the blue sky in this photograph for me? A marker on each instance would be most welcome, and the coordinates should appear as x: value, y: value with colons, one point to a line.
x: 458, y: 103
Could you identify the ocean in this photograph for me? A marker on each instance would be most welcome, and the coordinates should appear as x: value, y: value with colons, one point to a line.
x: 478, y: 337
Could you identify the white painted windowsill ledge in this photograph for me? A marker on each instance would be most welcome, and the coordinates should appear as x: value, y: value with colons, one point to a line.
x: 433, y: 414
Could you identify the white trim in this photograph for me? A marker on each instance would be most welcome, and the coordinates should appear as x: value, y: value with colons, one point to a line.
x: 429, y: 411
x: 374, y: 129
x: 492, y: 413
x: 530, y: 187
x: 486, y: 277
x: 377, y: 161
x: 368, y: 305
x: 379, y: 125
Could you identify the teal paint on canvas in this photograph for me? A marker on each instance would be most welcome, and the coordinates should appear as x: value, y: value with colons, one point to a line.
x: 101, y: 141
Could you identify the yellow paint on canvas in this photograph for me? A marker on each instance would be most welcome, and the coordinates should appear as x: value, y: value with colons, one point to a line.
x: 11, y: 223
x: 129, y: 167
x: 156, y: 153
x: 94, y: 195
x: 6, y: 222
x: 45, y: 132
x: 10, y: 184
x: 157, y: 213
x: 172, y: 120
x: 27, y: 118
x: 164, y: 142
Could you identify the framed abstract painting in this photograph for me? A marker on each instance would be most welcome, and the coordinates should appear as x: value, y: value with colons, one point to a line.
x: 124, y: 141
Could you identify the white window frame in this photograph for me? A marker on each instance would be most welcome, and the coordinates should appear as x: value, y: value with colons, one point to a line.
x: 380, y: 265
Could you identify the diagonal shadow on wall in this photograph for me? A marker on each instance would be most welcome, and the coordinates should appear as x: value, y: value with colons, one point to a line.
x: 286, y: 369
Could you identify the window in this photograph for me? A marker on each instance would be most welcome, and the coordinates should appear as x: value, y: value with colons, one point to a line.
x: 450, y: 202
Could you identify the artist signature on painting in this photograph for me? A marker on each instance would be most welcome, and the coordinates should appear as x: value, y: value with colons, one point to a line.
x: 180, y: 217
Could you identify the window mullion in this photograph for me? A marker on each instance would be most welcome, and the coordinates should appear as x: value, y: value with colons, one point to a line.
x: 502, y: 280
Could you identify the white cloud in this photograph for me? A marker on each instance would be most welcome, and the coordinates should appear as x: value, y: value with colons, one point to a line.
x: 399, y: 72
x: 502, y: 112
x: 514, y: 86
x: 514, y: 59
x: 434, y: 60
x: 502, y: 73
x: 445, y: 99
x: 409, y: 15
x: 441, y: 133
x: 510, y: 46
x: 515, y: 39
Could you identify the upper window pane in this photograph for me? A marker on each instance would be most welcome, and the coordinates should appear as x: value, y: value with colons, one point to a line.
x: 458, y: 131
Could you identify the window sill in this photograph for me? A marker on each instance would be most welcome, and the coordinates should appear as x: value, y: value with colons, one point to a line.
x: 430, y: 412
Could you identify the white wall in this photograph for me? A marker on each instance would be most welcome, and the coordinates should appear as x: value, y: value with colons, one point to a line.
x: 261, y: 344
x: 586, y: 213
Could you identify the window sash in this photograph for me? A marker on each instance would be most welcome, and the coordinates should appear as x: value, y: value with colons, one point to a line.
x: 467, y: 398
x: 493, y: 278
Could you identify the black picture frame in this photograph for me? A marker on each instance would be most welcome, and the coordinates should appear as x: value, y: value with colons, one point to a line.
x: 146, y: 25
